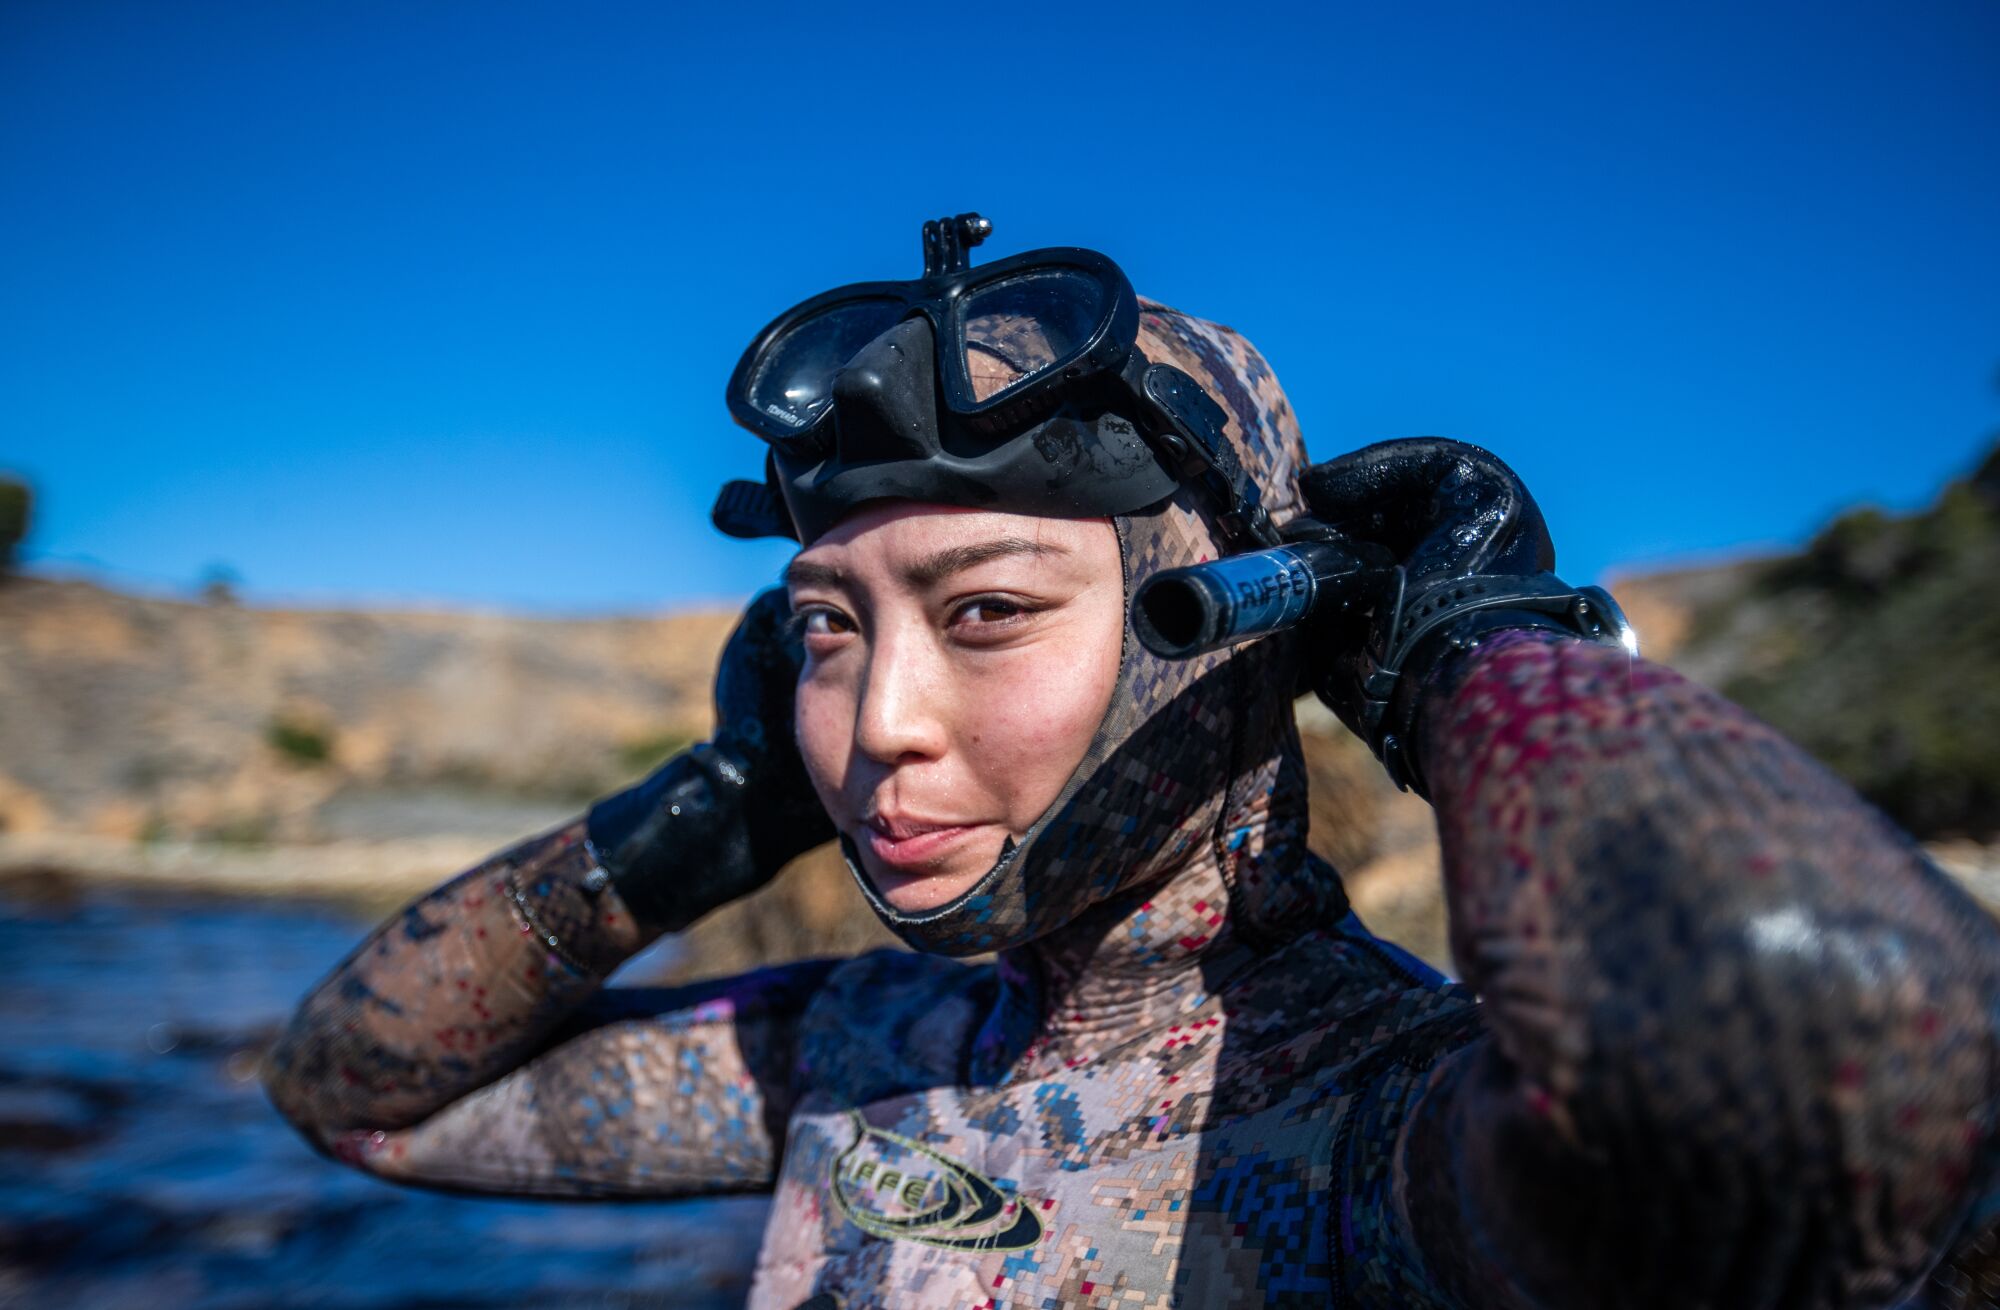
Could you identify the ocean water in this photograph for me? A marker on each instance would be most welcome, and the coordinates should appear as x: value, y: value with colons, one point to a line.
x: 141, y: 1166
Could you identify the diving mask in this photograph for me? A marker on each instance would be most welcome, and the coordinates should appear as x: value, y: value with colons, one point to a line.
x: 1018, y: 385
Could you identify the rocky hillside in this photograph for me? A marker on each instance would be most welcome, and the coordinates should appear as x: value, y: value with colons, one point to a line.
x: 132, y: 717
x: 1877, y: 648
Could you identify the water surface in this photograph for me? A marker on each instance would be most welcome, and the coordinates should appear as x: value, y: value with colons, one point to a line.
x: 141, y: 1166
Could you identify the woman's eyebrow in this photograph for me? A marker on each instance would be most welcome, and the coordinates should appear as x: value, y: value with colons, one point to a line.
x: 807, y: 573
x: 933, y: 569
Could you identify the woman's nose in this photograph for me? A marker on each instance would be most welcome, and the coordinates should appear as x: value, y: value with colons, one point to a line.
x: 899, y: 721
x: 885, y: 398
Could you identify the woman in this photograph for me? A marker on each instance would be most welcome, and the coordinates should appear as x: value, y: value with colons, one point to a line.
x: 1727, y: 1038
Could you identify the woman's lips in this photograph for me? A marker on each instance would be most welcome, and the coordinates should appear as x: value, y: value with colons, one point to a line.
x: 914, y: 846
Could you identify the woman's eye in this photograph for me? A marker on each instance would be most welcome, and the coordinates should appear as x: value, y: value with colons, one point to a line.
x: 988, y: 611
x: 825, y: 623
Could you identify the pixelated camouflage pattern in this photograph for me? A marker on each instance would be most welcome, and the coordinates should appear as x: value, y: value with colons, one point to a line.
x: 1224, y: 1145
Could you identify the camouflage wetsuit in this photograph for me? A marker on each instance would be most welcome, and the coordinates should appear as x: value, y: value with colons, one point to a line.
x: 1728, y: 1039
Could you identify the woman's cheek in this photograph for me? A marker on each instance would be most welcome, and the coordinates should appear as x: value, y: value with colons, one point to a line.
x: 824, y: 717
x: 1035, y: 725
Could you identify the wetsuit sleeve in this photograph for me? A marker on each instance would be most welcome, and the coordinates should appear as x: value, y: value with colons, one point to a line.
x: 1741, y: 1035
x: 644, y: 1094
x: 466, y: 1044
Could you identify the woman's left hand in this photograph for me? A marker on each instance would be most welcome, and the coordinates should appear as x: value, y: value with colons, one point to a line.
x: 1447, y: 512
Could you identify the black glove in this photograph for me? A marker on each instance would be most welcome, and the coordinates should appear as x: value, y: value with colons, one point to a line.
x: 721, y: 818
x: 1472, y: 556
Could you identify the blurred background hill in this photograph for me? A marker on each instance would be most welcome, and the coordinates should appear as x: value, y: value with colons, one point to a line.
x: 138, y: 717
x: 1877, y: 647
x: 368, y: 754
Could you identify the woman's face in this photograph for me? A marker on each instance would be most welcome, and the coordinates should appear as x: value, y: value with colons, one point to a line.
x: 958, y: 663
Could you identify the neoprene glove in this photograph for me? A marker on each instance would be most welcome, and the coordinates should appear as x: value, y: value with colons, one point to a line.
x: 1471, y: 556
x: 719, y: 820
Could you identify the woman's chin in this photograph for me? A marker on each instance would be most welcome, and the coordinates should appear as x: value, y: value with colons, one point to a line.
x: 920, y: 888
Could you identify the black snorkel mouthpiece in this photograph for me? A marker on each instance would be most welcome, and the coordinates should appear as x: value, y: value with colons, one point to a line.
x: 1181, y: 613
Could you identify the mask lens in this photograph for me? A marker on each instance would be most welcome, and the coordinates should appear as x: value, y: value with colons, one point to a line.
x: 793, y: 378
x: 1023, y: 326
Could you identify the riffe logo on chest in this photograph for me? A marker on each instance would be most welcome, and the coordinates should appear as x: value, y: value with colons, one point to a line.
x: 894, y: 1187
x: 866, y: 1174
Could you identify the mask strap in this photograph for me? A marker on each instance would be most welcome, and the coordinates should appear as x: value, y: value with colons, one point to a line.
x: 1195, y: 449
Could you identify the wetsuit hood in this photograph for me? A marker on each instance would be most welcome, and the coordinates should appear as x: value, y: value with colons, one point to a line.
x: 1190, y: 753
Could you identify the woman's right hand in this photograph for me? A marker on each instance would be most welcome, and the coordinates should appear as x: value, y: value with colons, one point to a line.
x: 720, y: 819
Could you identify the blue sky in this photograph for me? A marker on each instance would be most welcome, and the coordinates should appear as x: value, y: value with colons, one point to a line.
x: 435, y: 302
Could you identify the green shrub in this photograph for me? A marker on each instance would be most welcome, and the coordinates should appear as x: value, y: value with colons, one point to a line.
x: 17, y: 504
x: 241, y: 830
x: 219, y: 585
x: 300, y: 740
x: 1881, y: 655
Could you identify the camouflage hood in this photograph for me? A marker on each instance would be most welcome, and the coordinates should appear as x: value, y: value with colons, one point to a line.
x: 1196, y: 763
